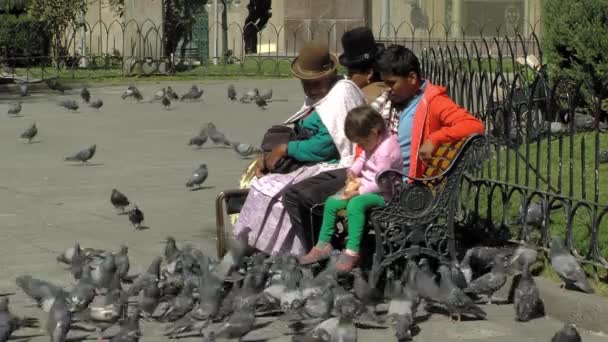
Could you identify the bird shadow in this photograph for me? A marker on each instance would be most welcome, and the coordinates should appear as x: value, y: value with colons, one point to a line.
x: 142, y: 228
x: 15, y: 116
x: 87, y: 164
x: 25, y: 337
x: 202, y: 188
x: 259, y: 326
x: 123, y: 213
x: 6, y: 294
x: 34, y: 142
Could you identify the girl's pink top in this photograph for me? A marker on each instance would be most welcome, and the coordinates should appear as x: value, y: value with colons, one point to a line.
x: 386, y: 155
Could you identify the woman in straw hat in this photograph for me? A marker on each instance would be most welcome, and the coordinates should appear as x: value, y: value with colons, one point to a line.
x: 263, y: 219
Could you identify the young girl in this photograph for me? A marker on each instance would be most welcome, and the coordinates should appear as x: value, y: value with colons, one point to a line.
x: 365, y: 127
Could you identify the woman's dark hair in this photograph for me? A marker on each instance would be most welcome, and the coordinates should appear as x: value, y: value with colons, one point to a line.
x: 398, y: 60
x: 360, y: 121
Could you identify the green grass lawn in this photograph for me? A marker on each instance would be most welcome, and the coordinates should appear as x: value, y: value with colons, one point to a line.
x: 251, y: 67
x: 517, y: 172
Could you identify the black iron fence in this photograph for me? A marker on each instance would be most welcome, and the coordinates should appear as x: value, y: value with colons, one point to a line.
x: 547, y: 141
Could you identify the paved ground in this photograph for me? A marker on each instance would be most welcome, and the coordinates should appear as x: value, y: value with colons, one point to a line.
x: 47, y: 204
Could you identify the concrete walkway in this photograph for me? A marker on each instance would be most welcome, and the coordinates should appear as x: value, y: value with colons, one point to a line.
x: 47, y: 204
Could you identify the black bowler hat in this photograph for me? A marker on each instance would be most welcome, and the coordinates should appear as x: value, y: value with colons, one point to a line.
x: 360, y: 47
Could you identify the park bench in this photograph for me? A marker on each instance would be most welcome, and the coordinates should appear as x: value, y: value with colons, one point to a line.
x: 418, y: 220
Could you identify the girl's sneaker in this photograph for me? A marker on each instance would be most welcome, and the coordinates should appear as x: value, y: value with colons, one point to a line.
x: 316, y: 254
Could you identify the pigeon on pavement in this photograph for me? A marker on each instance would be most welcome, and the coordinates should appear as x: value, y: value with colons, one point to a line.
x: 14, y: 109
x: 198, y: 176
x: 96, y: 104
x: 129, y: 329
x: 136, y: 217
x: 132, y: 92
x: 171, y: 94
x: 260, y: 102
x: 56, y: 85
x: 166, y: 102
x: 24, y: 89
x: 245, y: 150
x: 216, y: 136
x: 43, y: 292
x: 267, y: 95
x: 84, y: 155
x: 455, y: 300
x: 69, y: 104
x: 194, y: 94
x: 490, y: 282
x: 85, y: 95
x: 567, y: 268
x: 231, y: 93
x: 10, y: 323
x: 59, y: 320
x: 567, y: 334
x: 30, y: 133
x: 198, y: 141
x: 526, y: 298
x: 119, y: 200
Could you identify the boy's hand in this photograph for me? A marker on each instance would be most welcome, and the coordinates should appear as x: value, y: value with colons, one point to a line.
x: 426, y: 150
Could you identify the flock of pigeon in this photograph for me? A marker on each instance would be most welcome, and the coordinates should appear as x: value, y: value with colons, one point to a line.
x: 194, y: 295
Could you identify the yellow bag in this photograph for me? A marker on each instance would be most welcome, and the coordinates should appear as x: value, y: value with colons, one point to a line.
x: 248, y: 175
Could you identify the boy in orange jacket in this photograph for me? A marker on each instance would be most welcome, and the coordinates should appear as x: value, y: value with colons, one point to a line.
x: 423, y: 113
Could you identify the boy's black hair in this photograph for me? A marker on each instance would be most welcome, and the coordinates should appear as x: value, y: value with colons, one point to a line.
x: 360, y: 121
x: 398, y: 60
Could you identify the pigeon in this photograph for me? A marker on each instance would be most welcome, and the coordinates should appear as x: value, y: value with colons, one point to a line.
x: 603, y: 157
x: 96, y: 104
x: 194, y: 94
x: 526, y: 298
x: 458, y: 276
x: 567, y: 268
x: 10, y: 323
x: 198, y: 176
x: 249, y: 96
x: 231, y: 93
x: 159, y: 95
x: 198, y: 141
x: 240, y: 322
x: 59, y: 320
x: 78, y: 263
x: 567, y: 334
x: 55, y: 85
x: 584, y: 122
x: 83, y: 292
x: 171, y: 94
x: 14, y: 109
x: 129, y: 329
x: 490, y: 282
x: 523, y: 255
x: 267, y: 96
x: 245, y: 150
x: 84, y: 155
x: 151, y: 276
x: 133, y: 92
x: 346, y: 330
x: 24, y: 89
x: 166, y: 102
x: 103, y: 273
x: 149, y: 298
x: 122, y: 263
x: 69, y: 104
x: 465, y: 267
x: 30, y: 133
x: 43, y: 292
x: 136, y: 216
x: 535, y: 215
x: 119, y: 200
x: 403, y: 327
x: 181, y: 305
x: 423, y: 282
x: 455, y: 300
x: 260, y: 102
x: 216, y: 136
x: 85, y: 95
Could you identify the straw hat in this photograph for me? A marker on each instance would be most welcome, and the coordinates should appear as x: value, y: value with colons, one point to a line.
x: 313, y: 62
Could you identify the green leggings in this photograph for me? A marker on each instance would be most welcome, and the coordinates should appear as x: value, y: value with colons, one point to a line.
x: 356, y: 208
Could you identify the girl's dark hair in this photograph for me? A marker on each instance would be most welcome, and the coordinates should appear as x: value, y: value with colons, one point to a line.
x: 398, y: 60
x: 361, y: 120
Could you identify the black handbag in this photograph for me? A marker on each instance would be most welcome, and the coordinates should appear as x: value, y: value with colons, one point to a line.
x: 282, y: 134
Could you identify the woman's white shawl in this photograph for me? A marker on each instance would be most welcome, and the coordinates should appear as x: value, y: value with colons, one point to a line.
x: 332, y: 109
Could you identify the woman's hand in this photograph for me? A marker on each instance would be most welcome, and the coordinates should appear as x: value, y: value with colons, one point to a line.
x: 426, y: 150
x: 350, y: 176
x: 260, y: 169
x: 348, y: 194
x: 275, y: 155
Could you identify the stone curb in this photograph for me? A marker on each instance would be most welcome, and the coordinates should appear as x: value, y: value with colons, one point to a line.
x: 587, y: 311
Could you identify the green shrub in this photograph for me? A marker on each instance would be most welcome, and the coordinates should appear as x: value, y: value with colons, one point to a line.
x: 23, y: 40
x: 576, y: 40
